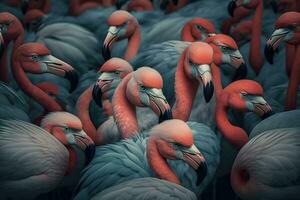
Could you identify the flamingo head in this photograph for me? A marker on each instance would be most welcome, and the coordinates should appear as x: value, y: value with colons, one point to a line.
x: 197, y: 63
x: 36, y: 58
x: 121, y: 25
x: 242, y: 32
x: 144, y: 89
x: 174, y: 141
x: 287, y: 29
x: 110, y: 75
x: 197, y: 29
x: 226, y: 52
x: 10, y: 27
x: 67, y: 128
x: 247, y: 96
x: 33, y: 19
x: 249, y: 4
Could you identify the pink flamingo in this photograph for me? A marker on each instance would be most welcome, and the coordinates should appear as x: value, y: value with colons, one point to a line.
x: 11, y: 30
x: 123, y: 25
x: 255, y: 57
x: 43, y: 162
x: 139, y: 6
x: 242, y: 95
x: 238, y: 15
x: 287, y: 30
x: 111, y: 73
x: 141, y: 88
x: 35, y: 58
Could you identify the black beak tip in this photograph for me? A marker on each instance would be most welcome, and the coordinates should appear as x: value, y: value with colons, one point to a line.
x: 72, y: 76
x: 201, y: 173
x: 269, y: 53
x: 1, y: 50
x: 167, y: 115
x: 241, y: 72
x: 208, y: 91
x: 97, y: 95
x: 106, y: 53
x: 231, y: 7
x: 267, y: 114
x: 89, y: 153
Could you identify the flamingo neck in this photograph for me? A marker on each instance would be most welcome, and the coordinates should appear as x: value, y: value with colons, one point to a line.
x: 291, y: 97
x: 216, y: 79
x: 158, y: 164
x: 4, y: 67
x: 124, y: 112
x: 82, y: 108
x: 133, y: 44
x: 47, y: 6
x: 185, y: 92
x: 235, y: 135
x: 186, y: 34
x: 256, y: 59
x: 49, y: 104
x: 290, y: 51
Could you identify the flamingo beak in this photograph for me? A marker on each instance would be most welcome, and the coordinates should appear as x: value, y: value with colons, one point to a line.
x: 274, y: 6
x: 204, y: 75
x: 1, y: 45
x: 24, y: 6
x: 231, y: 7
x: 155, y: 99
x: 53, y: 65
x: 273, y: 43
x: 193, y: 157
x: 237, y: 61
x: 110, y: 38
x: 86, y: 144
x: 259, y: 105
x: 103, y: 85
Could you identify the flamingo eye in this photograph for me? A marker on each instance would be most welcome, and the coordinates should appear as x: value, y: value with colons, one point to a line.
x: 35, y: 58
x: 117, y: 72
x: 244, y: 93
x: 143, y: 87
x: 199, y: 27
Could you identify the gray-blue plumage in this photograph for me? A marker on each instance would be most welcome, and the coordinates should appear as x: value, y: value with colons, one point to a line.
x: 126, y: 160
x: 146, y: 189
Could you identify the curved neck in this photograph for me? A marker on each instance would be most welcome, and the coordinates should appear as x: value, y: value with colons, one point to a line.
x: 158, y: 164
x: 123, y: 111
x: 82, y: 108
x: 256, y: 59
x: 291, y: 97
x: 216, y: 79
x: 185, y: 92
x: 133, y: 44
x: 186, y: 34
x: 31, y: 90
x: 290, y: 51
x: 235, y: 135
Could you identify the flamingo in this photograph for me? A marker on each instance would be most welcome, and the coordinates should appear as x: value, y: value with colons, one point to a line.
x: 283, y: 6
x: 242, y: 95
x: 238, y: 15
x: 167, y: 141
x: 36, y: 58
x: 146, y: 188
x: 124, y: 25
x: 287, y: 30
x: 254, y: 175
x: 111, y: 74
x: 37, y: 162
x: 255, y: 57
